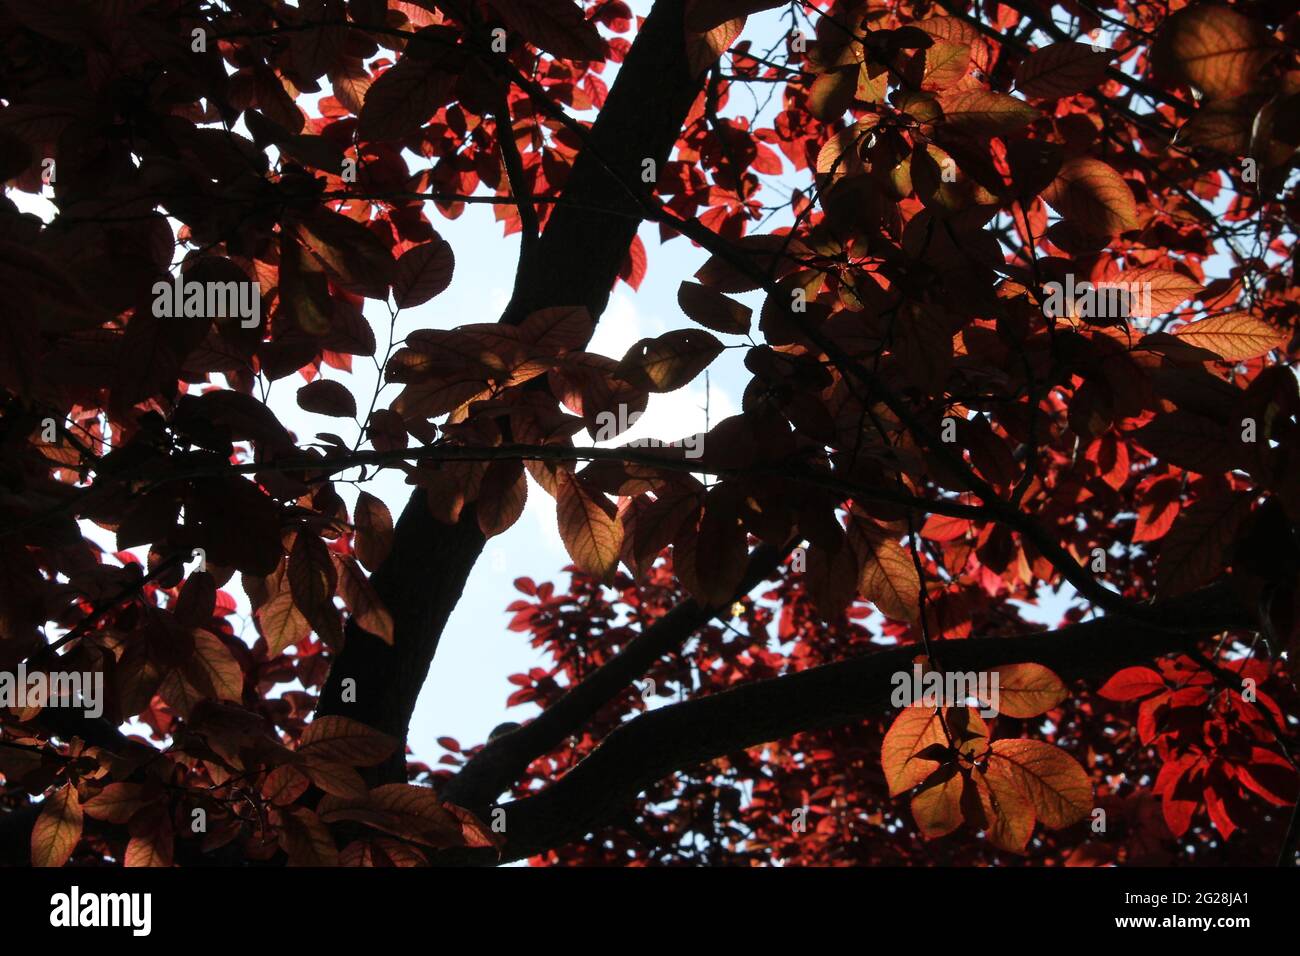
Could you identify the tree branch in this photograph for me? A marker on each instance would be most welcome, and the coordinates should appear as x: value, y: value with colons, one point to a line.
x: 503, y: 760
x: 515, y: 173
x: 574, y: 262
x: 579, y: 255
x: 654, y: 745
x: 420, y: 582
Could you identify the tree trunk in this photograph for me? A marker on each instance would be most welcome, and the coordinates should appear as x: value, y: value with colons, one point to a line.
x: 575, y: 262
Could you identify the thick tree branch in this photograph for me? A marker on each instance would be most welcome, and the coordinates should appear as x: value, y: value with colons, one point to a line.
x: 574, y: 262
x: 420, y: 583
x: 580, y: 254
x: 654, y: 745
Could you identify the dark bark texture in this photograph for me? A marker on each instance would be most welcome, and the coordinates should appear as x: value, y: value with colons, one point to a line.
x: 574, y: 262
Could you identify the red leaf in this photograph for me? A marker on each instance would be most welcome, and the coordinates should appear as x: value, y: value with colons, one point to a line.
x: 1213, y: 48
x: 423, y: 272
x: 1132, y: 683
x: 1158, y: 506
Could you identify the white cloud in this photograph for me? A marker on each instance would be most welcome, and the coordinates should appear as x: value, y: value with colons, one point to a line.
x: 621, y: 326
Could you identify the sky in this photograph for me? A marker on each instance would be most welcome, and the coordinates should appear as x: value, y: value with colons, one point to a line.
x: 467, y: 688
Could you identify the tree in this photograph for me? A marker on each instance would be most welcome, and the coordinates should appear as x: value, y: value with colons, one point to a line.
x: 1026, y: 323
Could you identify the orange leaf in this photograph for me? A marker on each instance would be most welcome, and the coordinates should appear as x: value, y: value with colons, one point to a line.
x: 558, y: 329
x: 937, y: 805
x: 1162, y: 290
x: 832, y: 92
x: 152, y: 841
x: 1055, y: 785
x: 591, y: 531
x: 116, y: 803
x: 473, y: 830
x: 281, y: 623
x: 985, y: 113
x: 1213, y: 48
x: 1008, y: 814
x: 914, y: 730
x: 946, y: 64
x: 58, y: 828
x: 1093, y: 197
x: 704, y: 48
x: 1236, y: 336
x: 213, y: 670
x: 1027, y: 690
x: 889, y: 580
x: 670, y: 361
x: 347, y: 741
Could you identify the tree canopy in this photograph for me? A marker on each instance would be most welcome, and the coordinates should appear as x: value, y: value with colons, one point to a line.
x: 1015, y: 286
